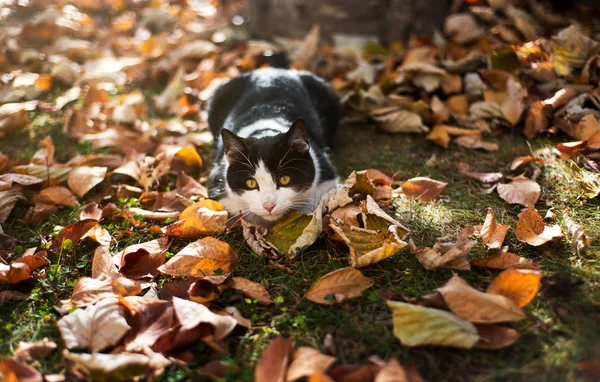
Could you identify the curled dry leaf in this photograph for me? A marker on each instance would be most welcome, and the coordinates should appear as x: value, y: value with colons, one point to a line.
x: 7, y: 180
x: 519, y: 285
x: 491, y: 232
x: 472, y: 143
x: 423, y: 189
x: 110, y: 367
x: 415, y: 326
x: 73, y: 232
x: 520, y: 190
x: 88, y: 290
x: 380, y: 238
x: 505, y: 260
x: 485, y: 177
x: 8, y: 200
x: 202, y: 257
x: 580, y: 242
x: 294, y: 232
x: 308, y: 361
x: 338, y: 286
x: 22, y: 267
x: 523, y: 160
x: 478, y: 307
x: 532, y: 230
x: 82, y: 179
x: 447, y: 254
x: 14, y: 371
x: 142, y: 260
x: 536, y: 120
x: 95, y: 328
x: 273, y: 362
x: 253, y: 290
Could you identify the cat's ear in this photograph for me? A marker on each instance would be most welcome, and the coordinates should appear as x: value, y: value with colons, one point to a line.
x: 298, y: 137
x: 235, y: 148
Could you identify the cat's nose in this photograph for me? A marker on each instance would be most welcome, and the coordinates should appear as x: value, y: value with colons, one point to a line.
x: 269, y: 206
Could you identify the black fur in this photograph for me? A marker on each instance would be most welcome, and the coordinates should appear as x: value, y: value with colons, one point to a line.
x: 289, y: 96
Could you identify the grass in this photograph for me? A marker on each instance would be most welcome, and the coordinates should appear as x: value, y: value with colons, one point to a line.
x: 557, y: 333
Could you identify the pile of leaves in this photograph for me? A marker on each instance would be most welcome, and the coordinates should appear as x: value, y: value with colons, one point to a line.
x: 132, y: 78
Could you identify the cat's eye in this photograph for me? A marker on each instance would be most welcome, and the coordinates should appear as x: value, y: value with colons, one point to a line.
x: 284, y: 180
x: 251, y: 183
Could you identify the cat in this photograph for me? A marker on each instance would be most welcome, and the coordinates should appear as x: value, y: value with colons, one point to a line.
x: 273, y: 131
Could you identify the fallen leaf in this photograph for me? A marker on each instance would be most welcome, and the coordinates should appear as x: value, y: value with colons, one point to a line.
x: 448, y: 254
x: 462, y: 28
x: 393, y: 371
x: 253, y: 290
x: 110, y: 367
x: 580, y: 242
x: 478, y: 307
x: 519, y: 285
x: 400, y: 121
x: 472, y: 143
x: 202, y: 257
x: 504, y: 260
x: 570, y: 49
x: 493, y: 337
x: 308, y: 361
x: 513, y: 105
x: 73, y: 232
x: 307, y: 49
x: 191, y: 315
x: 491, y: 232
x: 205, y: 217
x: 82, y: 179
x: 440, y: 134
x: 14, y: 371
x: 338, y: 286
x: 423, y: 189
x: 523, y: 160
x: 57, y: 195
x: 520, y: 190
x: 7, y: 180
x: 21, y: 268
x: 532, y: 230
x: 11, y: 295
x: 87, y: 291
x: 485, y: 177
x: 294, y: 232
x: 95, y: 328
x: 28, y: 351
x: 143, y: 260
x: 415, y: 326
x: 536, y: 120
x: 273, y: 362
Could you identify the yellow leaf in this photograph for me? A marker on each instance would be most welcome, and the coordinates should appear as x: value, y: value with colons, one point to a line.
x: 491, y: 232
x: 202, y: 257
x: 190, y: 156
x: 415, y: 325
x: 338, y: 286
x: 206, y: 217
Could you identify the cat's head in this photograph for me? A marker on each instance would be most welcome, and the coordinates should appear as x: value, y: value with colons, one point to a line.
x: 270, y: 176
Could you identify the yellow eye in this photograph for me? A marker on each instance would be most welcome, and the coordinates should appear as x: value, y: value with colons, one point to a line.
x: 251, y: 183
x: 283, y: 180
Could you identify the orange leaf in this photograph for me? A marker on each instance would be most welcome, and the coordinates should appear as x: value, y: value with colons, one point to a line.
x: 58, y: 196
x: 495, y: 337
x: 15, y: 371
x: 205, y: 217
x: 422, y: 188
x: 491, y: 232
x: 253, y: 290
x: 308, y: 361
x: 338, y: 286
x: 202, y: 257
x: 142, y: 260
x: 520, y: 285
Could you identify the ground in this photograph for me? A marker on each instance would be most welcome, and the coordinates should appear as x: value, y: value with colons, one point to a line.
x: 557, y: 333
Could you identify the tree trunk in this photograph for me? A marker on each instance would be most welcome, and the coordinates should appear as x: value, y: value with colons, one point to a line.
x: 389, y: 20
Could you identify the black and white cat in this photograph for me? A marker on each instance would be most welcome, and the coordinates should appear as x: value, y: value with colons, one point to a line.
x: 273, y: 129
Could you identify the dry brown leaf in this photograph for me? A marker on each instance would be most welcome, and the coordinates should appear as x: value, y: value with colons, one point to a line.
x: 73, y: 232
x: 494, y: 337
x: 22, y: 267
x: 423, y: 189
x: 462, y: 28
x: 447, y: 254
x: 491, y: 232
x: 87, y: 291
x: 478, y: 307
x: 14, y: 371
x: 7, y: 180
x: 520, y: 190
x: 302, y: 57
x: 519, y: 285
x: 513, y: 105
x: 523, y: 160
x: 188, y: 186
x: 338, y: 286
x: 45, y: 155
x: 28, y: 351
x: 82, y: 179
x: 532, y: 230
x: 440, y: 134
x: 458, y: 105
x: 536, y: 120
x: 143, y: 260
x: 202, y: 257
x: 11, y: 295
x: 485, y: 177
x: 472, y: 143
x: 399, y: 121
x: 95, y: 328
x: 273, y: 362
x: 504, y: 260
x: 253, y: 290
x: 191, y: 315
x: 580, y: 242
x: 308, y: 361
x: 393, y: 371
x: 58, y: 196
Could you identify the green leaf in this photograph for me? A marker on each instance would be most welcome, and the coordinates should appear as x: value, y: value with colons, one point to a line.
x: 287, y: 230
